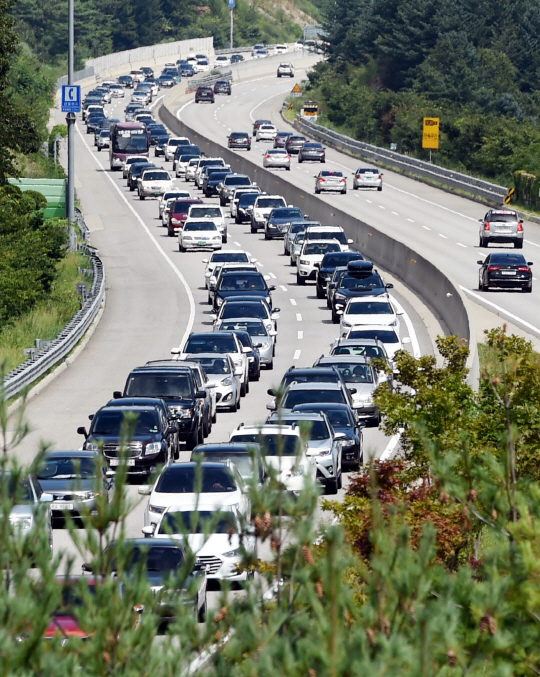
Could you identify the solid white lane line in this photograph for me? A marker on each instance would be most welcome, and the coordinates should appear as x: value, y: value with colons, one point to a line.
x: 501, y: 310
x: 410, y: 327
x: 297, y: 354
x: 533, y: 243
x: 300, y: 334
x: 388, y: 453
x: 293, y: 302
x: 191, y: 318
x: 461, y: 245
x: 283, y: 287
x: 298, y: 317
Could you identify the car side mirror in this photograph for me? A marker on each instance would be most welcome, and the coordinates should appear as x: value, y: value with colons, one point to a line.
x: 239, y: 371
x: 145, y: 490
x: 481, y: 220
x: 529, y: 263
x: 90, y: 416
x: 271, y: 392
x: 246, y: 349
x: 271, y: 406
x: 82, y: 431
x: 340, y: 436
x: 200, y: 394
x: 117, y: 395
x: 339, y: 312
x: 110, y: 474
x: 316, y: 265
x: 213, y: 316
x: 149, y: 530
x: 406, y: 339
x: 88, y: 568
x: 272, y: 287
x: 350, y: 241
x: 332, y: 285
x: 171, y: 430
x: 272, y: 332
x: 258, y: 345
x: 175, y: 351
x: 389, y: 286
x: 205, y: 260
x: 480, y: 263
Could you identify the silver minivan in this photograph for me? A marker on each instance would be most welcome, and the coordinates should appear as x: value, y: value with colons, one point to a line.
x: 501, y: 225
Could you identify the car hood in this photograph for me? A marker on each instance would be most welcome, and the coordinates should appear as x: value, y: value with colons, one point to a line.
x: 360, y: 320
x: 350, y: 293
x: 362, y: 389
x: 57, y: 485
x: 208, y: 544
x: 314, y: 447
x: 213, y: 501
x: 21, y: 511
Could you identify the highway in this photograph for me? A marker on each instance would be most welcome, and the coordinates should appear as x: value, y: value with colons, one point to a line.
x: 155, y: 296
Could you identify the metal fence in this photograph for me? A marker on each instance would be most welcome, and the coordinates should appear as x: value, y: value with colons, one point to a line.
x: 208, y: 80
x: 408, y: 165
x: 49, y: 353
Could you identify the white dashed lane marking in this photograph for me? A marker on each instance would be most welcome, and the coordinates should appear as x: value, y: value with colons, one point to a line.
x: 300, y: 334
x: 299, y: 317
x: 297, y: 354
x: 293, y: 302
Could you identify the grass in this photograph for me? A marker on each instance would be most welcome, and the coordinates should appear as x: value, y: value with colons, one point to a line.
x: 48, y: 317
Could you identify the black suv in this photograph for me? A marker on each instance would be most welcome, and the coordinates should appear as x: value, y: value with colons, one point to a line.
x: 239, y: 140
x: 151, y: 444
x: 135, y: 171
x: 330, y: 262
x: 360, y: 279
x: 222, y: 87
x: 204, y: 94
x: 178, y: 388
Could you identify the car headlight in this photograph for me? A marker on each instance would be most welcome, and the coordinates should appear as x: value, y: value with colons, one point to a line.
x: 180, y: 412
x: 297, y: 472
x: 232, y: 553
x: 21, y: 523
x: 156, y: 508
x: 341, y: 297
x: 226, y: 381
x: 324, y: 452
x: 367, y: 400
x: 303, y: 262
x: 238, y: 362
x: 347, y: 443
x: 152, y: 448
x: 91, y: 446
x: 219, y: 302
x: 265, y: 345
x: 88, y: 495
x: 346, y: 324
x: 394, y: 323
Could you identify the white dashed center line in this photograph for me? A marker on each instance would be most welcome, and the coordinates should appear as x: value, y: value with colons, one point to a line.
x: 461, y: 245
x: 443, y: 236
x: 300, y: 334
x: 426, y: 227
x: 293, y: 302
x: 272, y: 276
x: 395, y: 213
x: 381, y: 207
x: 238, y: 244
x: 411, y: 221
x: 370, y: 201
x: 299, y: 317
x: 283, y: 287
x: 297, y: 354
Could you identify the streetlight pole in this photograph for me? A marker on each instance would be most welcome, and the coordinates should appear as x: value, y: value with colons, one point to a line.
x: 70, y: 118
x: 231, y: 7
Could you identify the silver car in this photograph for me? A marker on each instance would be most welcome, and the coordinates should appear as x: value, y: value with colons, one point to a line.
x: 330, y: 180
x: 501, y: 225
x: 276, y: 158
x: 225, y: 377
x: 263, y: 338
x: 30, y: 506
x: 367, y: 177
x: 296, y: 246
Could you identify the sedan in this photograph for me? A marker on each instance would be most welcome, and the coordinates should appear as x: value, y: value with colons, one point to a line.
x: 266, y: 133
x: 375, y: 310
x: 263, y: 338
x: 258, y: 123
x: 240, y: 140
x: 281, y: 139
x: 312, y: 152
x: 224, y: 376
x: 277, y: 159
x: 222, y: 61
x: 199, y: 234
x: 330, y: 180
x: 366, y: 177
x: 294, y: 143
x: 506, y: 270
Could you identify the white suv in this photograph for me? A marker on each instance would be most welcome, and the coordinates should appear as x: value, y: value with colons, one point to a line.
x: 262, y: 208
x: 212, y: 213
x: 153, y: 183
x: 329, y: 233
x: 172, y: 145
x: 293, y: 466
x: 310, y: 257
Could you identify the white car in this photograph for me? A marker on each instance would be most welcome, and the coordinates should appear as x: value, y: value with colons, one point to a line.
x: 169, y: 194
x: 368, y: 310
x: 172, y: 145
x: 237, y: 194
x: 262, y: 207
x: 197, y: 234
x: 212, y: 212
x: 388, y: 336
x: 285, y: 70
x: 191, y: 168
x: 153, y: 183
x: 329, y: 233
x: 137, y: 76
x: 225, y: 256
x: 225, y: 377
x: 129, y: 161
x: 201, y: 66
x: 222, y: 485
x: 117, y: 91
x: 293, y: 467
x: 281, y: 49
x: 215, y: 537
x: 222, y: 61
x: 310, y: 257
x: 180, y: 164
x: 266, y: 133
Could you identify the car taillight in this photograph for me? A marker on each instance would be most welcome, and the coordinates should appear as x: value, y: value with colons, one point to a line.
x: 342, y: 181
x: 288, y: 157
x: 524, y: 269
x: 267, y: 156
x: 380, y: 176
x: 492, y: 268
x: 321, y: 180
x: 486, y: 225
x: 520, y: 228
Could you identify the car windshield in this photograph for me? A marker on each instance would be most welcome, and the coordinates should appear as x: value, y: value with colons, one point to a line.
x: 192, y: 522
x: 187, y: 479
x: 178, y: 142
x: 252, y: 328
x: 294, y: 397
x: 320, y: 248
x: 354, y: 373
x: 300, y: 237
x: 296, y: 227
x: 314, y: 376
x: 67, y: 468
x: 242, y: 283
x: 237, y: 181
x: 215, y: 365
x: 338, y: 235
x: 318, y: 430
x: 339, y: 418
x: 201, y: 212
x: 504, y: 218
x: 187, y: 158
x: 229, y: 257
x: 313, y: 146
x: 366, y: 351
x: 156, y: 176
x: 370, y: 308
x: 181, y: 207
x: 264, y: 203
x: 211, y: 344
x: 159, y: 385
x: 199, y: 226
x: 156, y: 558
x: 243, y: 462
x: 287, y: 213
x: 333, y: 260
x: 247, y: 199
x: 256, y: 310
x: 211, y: 162
x: 217, y: 176
x: 20, y: 492
x: 353, y: 283
x: 384, y: 335
x: 109, y: 422
x: 272, y: 444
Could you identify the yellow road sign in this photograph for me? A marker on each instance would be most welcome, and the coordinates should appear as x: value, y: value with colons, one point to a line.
x: 297, y: 89
x: 508, y: 197
x: 430, y: 134
x: 290, y: 107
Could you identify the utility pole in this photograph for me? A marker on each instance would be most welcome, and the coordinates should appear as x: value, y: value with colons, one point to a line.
x: 70, y: 118
x: 231, y: 7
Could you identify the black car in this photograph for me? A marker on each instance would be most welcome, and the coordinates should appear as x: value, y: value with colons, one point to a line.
x: 135, y: 171
x: 126, y: 81
x: 185, y: 69
x: 178, y: 388
x: 279, y: 220
x: 204, y: 94
x: 155, y: 132
x: 222, y: 87
x: 360, y: 279
x: 148, y: 72
x: 93, y: 122
x: 161, y: 142
x: 294, y: 143
x: 330, y: 262
x: 342, y: 420
x: 245, y: 283
x: 213, y: 179
x: 150, y: 444
x: 239, y: 140
x: 254, y: 359
x: 237, y: 58
x: 281, y: 139
x: 244, y: 208
x: 506, y: 270
x: 312, y: 151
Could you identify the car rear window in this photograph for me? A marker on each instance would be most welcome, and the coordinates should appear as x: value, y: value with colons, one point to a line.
x: 229, y: 257
x: 353, y: 283
x: 294, y: 397
x: 309, y: 377
x: 504, y: 217
x: 272, y: 445
x: 210, y: 344
x: 354, y: 373
x: 159, y: 385
x: 237, y: 181
x: 186, y: 480
x: 384, y: 335
x: 508, y: 259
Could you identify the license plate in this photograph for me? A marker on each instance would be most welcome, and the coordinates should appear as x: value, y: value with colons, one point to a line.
x: 62, y: 506
x: 508, y: 272
x: 201, y: 243
x: 117, y: 461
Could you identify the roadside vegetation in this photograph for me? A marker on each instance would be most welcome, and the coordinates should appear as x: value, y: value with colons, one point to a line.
x: 392, y: 63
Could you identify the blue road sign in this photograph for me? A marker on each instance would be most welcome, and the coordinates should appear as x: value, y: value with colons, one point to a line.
x: 232, y: 4
x: 71, y: 99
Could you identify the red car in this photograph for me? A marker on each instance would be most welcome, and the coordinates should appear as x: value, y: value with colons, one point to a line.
x: 178, y: 214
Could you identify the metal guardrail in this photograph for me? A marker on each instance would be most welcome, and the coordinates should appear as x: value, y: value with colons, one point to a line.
x: 54, y: 351
x: 478, y: 187
x: 208, y: 80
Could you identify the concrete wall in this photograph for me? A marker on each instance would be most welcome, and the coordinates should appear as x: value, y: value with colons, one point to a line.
x: 437, y: 290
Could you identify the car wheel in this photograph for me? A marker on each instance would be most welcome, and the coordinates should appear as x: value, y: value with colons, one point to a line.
x: 99, y: 149
x: 481, y: 287
x: 266, y: 236
x: 344, y: 192
x: 253, y: 230
x: 242, y: 390
x: 288, y: 168
x: 340, y: 480
x: 328, y: 304
x: 320, y: 294
x: 200, y: 434
x: 247, y: 386
x: 201, y: 614
x: 234, y: 407
x: 292, y: 261
x: 379, y: 188
x: 518, y: 244
x: 354, y: 186
x: 257, y: 376
x: 528, y: 289
x: 299, y: 160
x: 182, y: 249
x: 300, y: 280
x: 131, y: 188
x: 214, y: 417
x: 335, y: 318
x: 225, y: 239
x: 191, y: 441
x: 270, y: 365
x: 331, y: 487
x: 141, y: 197
x: 481, y: 243
x: 170, y: 233
x: 317, y: 191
